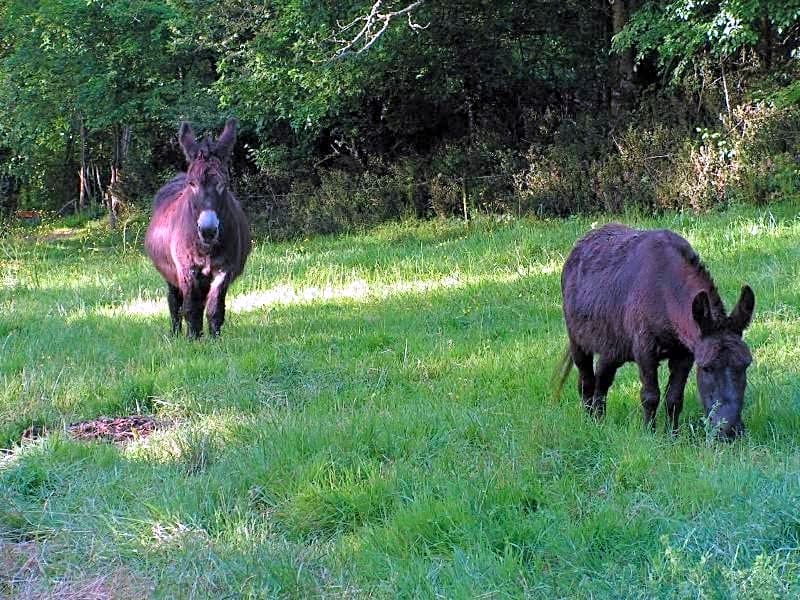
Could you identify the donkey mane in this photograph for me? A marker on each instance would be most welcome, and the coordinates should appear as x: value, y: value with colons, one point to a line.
x: 691, y: 257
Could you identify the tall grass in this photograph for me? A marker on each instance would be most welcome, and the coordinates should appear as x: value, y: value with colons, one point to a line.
x: 377, y: 420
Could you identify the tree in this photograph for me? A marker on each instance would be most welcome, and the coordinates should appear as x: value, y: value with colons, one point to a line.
x: 90, y: 71
x: 475, y: 64
x: 680, y: 31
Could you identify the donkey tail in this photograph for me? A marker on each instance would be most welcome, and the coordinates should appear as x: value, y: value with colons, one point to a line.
x: 562, y: 372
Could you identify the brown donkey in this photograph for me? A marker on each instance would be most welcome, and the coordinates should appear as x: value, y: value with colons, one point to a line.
x: 198, y: 237
x: 644, y: 296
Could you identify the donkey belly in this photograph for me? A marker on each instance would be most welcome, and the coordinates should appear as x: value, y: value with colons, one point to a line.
x: 601, y: 335
x: 595, y: 312
x: 158, y: 246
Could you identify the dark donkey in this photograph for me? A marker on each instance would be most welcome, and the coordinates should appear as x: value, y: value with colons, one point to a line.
x: 198, y: 237
x: 644, y: 296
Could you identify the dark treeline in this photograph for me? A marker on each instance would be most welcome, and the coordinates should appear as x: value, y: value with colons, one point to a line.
x: 546, y: 106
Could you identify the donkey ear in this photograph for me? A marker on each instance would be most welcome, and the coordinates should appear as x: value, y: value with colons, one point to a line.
x: 701, y: 311
x: 226, y: 140
x: 742, y: 313
x: 187, y: 141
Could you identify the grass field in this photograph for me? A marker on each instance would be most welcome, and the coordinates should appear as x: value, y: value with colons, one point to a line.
x: 377, y: 420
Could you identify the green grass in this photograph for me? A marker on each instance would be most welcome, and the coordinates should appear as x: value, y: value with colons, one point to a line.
x: 377, y: 420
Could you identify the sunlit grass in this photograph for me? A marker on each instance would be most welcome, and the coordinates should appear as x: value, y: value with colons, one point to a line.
x: 377, y: 420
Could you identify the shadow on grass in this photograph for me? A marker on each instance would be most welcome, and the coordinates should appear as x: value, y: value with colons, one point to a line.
x: 481, y: 342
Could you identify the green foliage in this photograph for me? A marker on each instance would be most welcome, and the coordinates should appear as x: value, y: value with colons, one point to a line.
x: 108, y: 62
x: 656, y: 162
x: 524, y: 97
x: 105, y: 63
x: 472, y: 57
x: 680, y: 30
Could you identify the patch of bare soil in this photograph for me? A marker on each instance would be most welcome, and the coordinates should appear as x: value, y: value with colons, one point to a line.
x: 110, y: 429
x: 17, y: 559
x: 116, y: 429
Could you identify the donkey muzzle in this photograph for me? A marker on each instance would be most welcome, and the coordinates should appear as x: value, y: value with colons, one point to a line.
x: 208, y: 226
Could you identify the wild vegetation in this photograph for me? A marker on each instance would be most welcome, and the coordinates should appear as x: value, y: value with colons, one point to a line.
x: 462, y: 106
x: 378, y: 421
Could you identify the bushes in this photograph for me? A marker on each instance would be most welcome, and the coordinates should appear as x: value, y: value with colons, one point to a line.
x: 768, y: 151
x: 338, y: 201
x: 630, y: 169
x: 652, y: 161
x: 751, y: 155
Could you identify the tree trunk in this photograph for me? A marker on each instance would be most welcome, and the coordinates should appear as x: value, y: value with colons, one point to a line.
x: 620, y: 11
x: 84, y: 183
x: 115, y: 193
x: 469, y: 104
x: 98, y: 181
x: 67, y: 182
x: 766, y: 42
x: 619, y: 18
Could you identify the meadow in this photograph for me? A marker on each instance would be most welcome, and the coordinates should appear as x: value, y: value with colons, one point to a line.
x: 378, y: 420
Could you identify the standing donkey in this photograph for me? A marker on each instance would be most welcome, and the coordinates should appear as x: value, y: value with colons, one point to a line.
x: 644, y: 296
x: 198, y: 237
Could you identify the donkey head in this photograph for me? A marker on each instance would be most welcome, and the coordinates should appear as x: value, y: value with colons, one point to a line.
x: 207, y: 177
x: 722, y: 359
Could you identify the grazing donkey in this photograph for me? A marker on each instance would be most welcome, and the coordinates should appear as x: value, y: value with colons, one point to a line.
x: 644, y: 296
x: 198, y: 237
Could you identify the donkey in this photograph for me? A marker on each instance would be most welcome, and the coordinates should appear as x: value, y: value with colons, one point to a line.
x: 645, y: 296
x: 198, y: 237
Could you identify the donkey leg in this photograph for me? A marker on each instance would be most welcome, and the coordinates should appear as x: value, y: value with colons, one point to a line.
x: 586, y: 382
x: 193, y: 309
x: 215, y: 304
x: 604, y: 377
x: 175, y: 302
x: 648, y: 374
x: 678, y: 374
